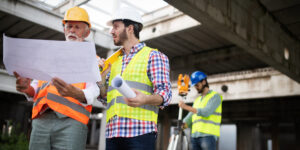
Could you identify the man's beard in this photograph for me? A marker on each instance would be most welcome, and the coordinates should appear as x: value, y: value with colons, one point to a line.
x: 201, y: 90
x: 122, y: 37
x: 70, y: 39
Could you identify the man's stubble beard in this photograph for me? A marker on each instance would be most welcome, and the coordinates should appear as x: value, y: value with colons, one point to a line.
x: 122, y: 37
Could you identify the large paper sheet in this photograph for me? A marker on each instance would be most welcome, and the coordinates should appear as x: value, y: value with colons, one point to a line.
x: 119, y: 84
x: 74, y: 62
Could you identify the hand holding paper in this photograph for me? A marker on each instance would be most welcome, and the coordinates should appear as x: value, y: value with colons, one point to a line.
x: 68, y: 90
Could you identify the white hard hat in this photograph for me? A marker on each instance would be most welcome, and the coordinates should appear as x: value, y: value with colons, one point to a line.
x: 126, y: 13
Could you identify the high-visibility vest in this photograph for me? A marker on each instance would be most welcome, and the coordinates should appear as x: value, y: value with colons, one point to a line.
x: 210, y: 124
x: 47, y: 94
x: 135, y: 75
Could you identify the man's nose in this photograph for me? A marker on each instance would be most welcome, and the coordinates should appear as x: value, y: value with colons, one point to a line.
x: 112, y: 31
x: 72, y: 30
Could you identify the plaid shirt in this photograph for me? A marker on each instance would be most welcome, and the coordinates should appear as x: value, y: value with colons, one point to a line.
x: 158, y: 72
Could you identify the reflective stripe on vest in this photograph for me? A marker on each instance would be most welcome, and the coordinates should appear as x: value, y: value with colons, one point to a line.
x: 207, y: 121
x: 65, y: 101
x: 47, y: 94
x: 210, y: 124
x: 136, y: 85
x: 120, y: 99
x: 37, y: 101
x: 42, y: 87
x: 38, y: 90
x: 135, y: 75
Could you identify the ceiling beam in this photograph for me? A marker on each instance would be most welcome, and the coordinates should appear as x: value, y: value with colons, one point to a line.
x: 249, y: 26
x: 165, y: 21
x: 68, y: 4
x: 28, y: 11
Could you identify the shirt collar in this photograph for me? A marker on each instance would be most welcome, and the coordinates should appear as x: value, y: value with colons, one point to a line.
x: 209, y: 91
x: 136, y: 48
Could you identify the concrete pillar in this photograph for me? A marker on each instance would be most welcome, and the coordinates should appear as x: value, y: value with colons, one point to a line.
x: 165, y: 127
x: 159, y: 136
x: 248, y: 137
x: 101, y: 145
x: 274, y: 136
x: 297, y: 125
x: 93, y: 132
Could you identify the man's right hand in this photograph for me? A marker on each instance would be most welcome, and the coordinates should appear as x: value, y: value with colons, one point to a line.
x: 181, y: 104
x: 101, y: 84
x: 184, y: 126
x: 102, y: 65
x: 23, y: 85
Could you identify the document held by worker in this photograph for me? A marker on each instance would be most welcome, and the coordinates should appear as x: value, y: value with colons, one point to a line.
x: 74, y: 62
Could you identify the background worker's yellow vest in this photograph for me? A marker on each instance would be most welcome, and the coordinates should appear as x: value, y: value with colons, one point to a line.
x: 135, y: 75
x: 210, y: 124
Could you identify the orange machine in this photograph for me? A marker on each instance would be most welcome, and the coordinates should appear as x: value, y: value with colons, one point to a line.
x: 183, y: 84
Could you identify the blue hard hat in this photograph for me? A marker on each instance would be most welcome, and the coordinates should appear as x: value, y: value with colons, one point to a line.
x: 197, y: 76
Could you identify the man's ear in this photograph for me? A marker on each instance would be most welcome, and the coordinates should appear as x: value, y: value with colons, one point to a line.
x: 131, y: 28
x: 204, y: 82
x: 87, y: 33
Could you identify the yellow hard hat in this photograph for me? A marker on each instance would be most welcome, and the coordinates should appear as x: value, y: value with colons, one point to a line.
x: 77, y: 14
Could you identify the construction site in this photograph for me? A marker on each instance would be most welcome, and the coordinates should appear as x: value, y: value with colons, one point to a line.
x: 249, y: 49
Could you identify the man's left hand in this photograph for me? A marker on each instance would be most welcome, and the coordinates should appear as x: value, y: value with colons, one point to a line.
x: 68, y: 90
x: 139, y: 100
x: 181, y: 104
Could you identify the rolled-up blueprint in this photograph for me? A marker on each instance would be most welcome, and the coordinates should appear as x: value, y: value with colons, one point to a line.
x: 119, y: 84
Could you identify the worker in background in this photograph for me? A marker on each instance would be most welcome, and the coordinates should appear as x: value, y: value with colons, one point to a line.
x: 132, y: 122
x: 205, y: 115
x: 61, y: 111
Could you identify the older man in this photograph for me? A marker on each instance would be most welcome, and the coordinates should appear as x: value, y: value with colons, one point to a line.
x: 61, y: 111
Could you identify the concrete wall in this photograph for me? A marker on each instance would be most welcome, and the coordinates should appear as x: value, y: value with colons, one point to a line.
x: 251, y: 84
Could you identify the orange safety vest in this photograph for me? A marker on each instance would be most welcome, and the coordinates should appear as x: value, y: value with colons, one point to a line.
x: 47, y: 94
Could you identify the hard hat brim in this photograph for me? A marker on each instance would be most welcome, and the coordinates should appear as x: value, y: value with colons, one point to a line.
x: 64, y: 22
x: 109, y: 23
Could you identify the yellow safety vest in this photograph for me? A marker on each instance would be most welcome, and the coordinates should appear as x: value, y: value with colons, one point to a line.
x: 135, y: 75
x: 210, y: 124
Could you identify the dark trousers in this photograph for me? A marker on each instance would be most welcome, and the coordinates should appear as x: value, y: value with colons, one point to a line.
x: 142, y: 142
x: 204, y: 143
